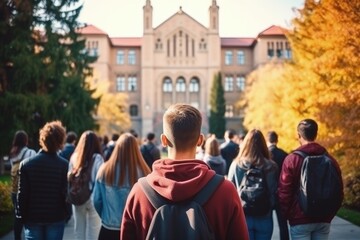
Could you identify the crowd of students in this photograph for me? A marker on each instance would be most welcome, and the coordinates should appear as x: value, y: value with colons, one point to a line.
x: 118, y: 207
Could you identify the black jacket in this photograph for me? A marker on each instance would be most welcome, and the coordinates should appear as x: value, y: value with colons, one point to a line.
x: 229, y: 150
x: 42, y: 189
x: 277, y: 155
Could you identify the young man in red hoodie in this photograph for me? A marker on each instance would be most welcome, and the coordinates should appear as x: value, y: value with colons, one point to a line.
x: 181, y: 177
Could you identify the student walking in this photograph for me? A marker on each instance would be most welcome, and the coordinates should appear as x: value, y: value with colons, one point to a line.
x: 253, y: 165
x: 18, y: 152
x: 213, y: 157
x: 87, y: 153
x: 179, y: 178
x: 42, y: 187
x: 311, y: 225
x: 229, y: 149
x: 278, y: 156
x: 149, y: 150
x: 114, y: 182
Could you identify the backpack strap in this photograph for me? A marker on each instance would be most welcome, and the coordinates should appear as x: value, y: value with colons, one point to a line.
x: 201, y: 197
x: 300, y: 153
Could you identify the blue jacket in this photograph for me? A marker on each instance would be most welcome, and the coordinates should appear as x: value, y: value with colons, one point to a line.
x: 109, y: 201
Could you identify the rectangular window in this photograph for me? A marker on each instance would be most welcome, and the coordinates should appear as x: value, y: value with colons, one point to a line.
x: 120, y: 84
x: 240, y: 83
x: 228, y: 57
x: 229, y: 84
x: 270, y: 46
x: 240, y: 57
x: 120, y: 57
x: 287, y: 51
x: 132, y: 83
x: 229, y: 111
x: 131, y: 57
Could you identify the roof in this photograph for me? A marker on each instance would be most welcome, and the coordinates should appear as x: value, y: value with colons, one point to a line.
x: 126, y: 41
x: 237, y: 42
x: 273, y: 31
x: 91, y: 29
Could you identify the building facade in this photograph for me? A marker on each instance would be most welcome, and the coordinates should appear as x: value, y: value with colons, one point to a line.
x: 176, y: 61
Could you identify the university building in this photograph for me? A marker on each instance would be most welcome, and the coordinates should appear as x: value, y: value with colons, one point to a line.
x: 175, y: 62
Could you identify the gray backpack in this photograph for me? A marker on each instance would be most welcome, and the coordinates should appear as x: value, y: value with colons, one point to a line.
x: 180, y: 220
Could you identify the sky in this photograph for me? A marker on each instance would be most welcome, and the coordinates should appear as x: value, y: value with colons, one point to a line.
x: 237, y: 18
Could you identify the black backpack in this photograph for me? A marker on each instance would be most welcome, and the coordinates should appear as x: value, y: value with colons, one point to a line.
x: 320, y: 186
x: 253, y: 192
x: 78, y: 185
x: 180, y: 220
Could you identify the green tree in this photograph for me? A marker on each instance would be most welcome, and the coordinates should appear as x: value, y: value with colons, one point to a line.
x: 43, y: 67
x: 217, y: 107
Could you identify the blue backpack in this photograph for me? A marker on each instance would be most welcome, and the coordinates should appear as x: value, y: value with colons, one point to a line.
x: 180, y: 220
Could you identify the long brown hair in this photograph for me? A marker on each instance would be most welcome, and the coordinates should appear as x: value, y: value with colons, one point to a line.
x: 253, y: 149
x: 212, y: 146
x: 19, y: 142
x: 127, y: 156
x: 88, y: 145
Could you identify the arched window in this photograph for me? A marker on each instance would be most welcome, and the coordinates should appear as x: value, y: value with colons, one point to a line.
x: 194, y: 85
x: 167, y: 85
x: 180, y: 85
x: 134, y: 110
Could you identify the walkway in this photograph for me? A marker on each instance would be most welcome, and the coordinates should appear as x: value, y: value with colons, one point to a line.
x: 340, y: 229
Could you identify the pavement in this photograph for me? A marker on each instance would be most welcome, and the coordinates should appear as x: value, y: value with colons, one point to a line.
x: 340, y: 229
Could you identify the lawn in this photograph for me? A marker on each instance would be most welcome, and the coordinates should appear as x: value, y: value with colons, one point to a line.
x: 350, y: 215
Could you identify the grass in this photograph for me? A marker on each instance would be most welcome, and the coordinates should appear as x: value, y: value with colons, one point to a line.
x: 350, y: 215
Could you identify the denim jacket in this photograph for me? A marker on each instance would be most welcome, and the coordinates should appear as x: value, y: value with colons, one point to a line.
x: 109, y: 201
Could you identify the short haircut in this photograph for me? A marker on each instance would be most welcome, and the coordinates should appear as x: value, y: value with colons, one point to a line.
x: 52, y: 136
x: 230, y: 134
x: 308, y: 129
x: 115, y: 137
x: 71, y: 137
x: 182, y: 126
x: 272, y: 137
x: 150, y: 136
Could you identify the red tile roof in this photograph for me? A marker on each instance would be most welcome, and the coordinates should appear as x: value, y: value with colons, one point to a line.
x: 126, y: 41
x: 91, y: 29
x: 273, y: 31
x: 237, y: 42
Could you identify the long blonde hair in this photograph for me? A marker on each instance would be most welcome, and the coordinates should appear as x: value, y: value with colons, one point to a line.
x: 127, y: 155
x: 253, y: 149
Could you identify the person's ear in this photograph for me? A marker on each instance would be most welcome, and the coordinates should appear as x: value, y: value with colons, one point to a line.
x: 164, y: 141
x: 200, y: 140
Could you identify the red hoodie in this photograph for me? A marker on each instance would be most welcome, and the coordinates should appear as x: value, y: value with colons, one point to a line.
x: 289, y: 183
x: 178, y: 180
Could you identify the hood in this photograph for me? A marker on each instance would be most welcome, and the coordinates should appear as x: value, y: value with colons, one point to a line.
x: 179, y: 180
x: 312, y: 149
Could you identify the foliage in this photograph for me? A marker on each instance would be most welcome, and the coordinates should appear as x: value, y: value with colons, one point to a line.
x: 321, y: 82
x: 43, y: 67
x: 112, y: 115
x: 217, y: 107
x: 7, y: 223
x: 5, y: 197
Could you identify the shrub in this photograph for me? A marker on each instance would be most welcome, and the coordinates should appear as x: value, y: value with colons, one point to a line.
x: 5, y: 197
x: 352, y: 189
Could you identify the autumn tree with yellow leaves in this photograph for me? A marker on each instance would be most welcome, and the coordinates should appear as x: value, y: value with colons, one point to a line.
x: 321, y: 82
x: 112, y: 113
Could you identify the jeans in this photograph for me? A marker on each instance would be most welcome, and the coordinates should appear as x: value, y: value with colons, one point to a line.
x: 18, y: 226
x: 45, y: 231
x: 260, y: 228
x: 87, y: 222
x: 311, y: 231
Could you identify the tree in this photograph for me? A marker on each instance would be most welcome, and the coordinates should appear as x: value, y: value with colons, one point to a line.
x: 43, y: 67
x: 321, y: 82
x: 217, y: 107
x: 112, y: 115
